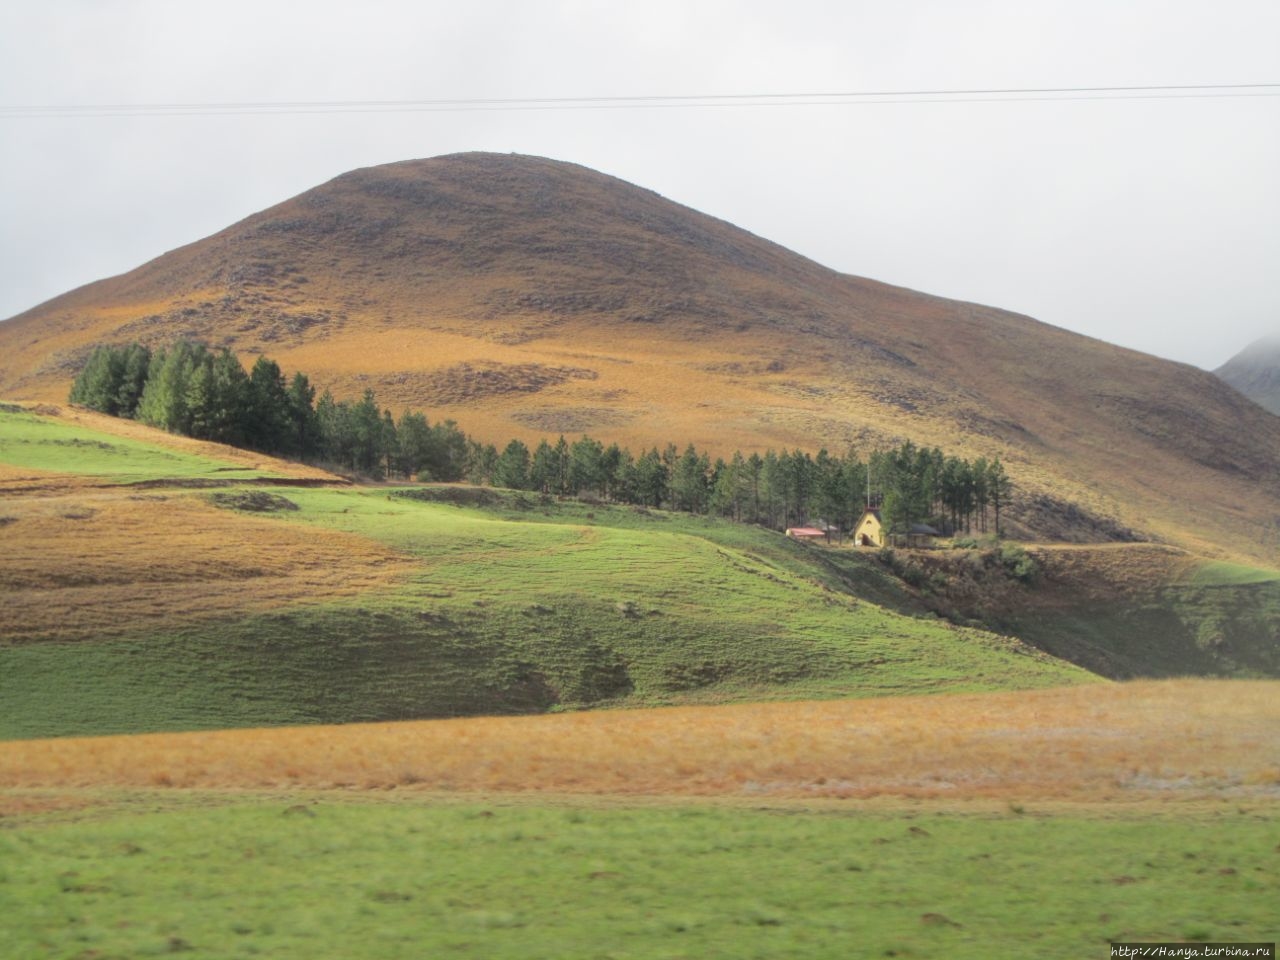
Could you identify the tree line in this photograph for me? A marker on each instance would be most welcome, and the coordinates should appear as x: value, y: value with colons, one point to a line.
x: 192, y: 390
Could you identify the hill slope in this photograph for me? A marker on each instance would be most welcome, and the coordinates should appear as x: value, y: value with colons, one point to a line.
x: 1255, y: 372
x: 152, y: 582
x: 137, y: 598
x: 525, y: 296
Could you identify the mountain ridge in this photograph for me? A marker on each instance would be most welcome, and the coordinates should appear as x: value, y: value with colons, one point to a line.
x: 1255, y: 372
x: 525, y: 297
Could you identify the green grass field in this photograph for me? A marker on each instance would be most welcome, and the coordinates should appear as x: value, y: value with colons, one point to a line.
x: 42, y: 443
x: 313, y: 878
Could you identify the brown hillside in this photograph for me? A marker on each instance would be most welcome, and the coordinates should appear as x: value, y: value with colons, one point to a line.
x: 526, y: 297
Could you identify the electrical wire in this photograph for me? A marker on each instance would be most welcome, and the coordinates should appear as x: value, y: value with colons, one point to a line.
x: 685, y: 101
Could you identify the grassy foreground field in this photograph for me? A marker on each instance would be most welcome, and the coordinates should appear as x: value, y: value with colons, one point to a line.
x: 315, y: 878
x: 968, y: 826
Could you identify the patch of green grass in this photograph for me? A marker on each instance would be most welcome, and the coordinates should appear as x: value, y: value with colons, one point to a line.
x: 409, y: 880
x: 43, y: 443
x: 1219, y: 573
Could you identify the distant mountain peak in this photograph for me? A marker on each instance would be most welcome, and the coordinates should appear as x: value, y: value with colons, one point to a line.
x: 1255, y: 372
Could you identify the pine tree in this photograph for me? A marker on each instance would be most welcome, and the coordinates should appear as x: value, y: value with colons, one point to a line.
x: 586, y: 466
x: 199, y: 403
x: 448, y: 452
x: 731, y: 488
x: 390, y: 444
x: 303, y: 428
x: 773, y: 488
x: 543, y: 469
x: 999, y: 488
x: 98, y: 384
x: 268, y: 423
x: 611, y: 462
x: 894, y: 519
x: 980, y: 472
x: 561, y: 482
x: 755, y: 475
x: 689, y: 481
x: 368, y: 445
x: 337, y: 431
x: 414, y: 435
x: 163, y: 402
x: 512, y: 467
x: 624, y: 486
x: 482, y: 460
x: 227, y: 416
x: 651, y: 479
x: 133, y: 379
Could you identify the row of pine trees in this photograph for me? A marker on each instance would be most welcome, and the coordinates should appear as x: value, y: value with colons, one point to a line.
x: 191, y: 390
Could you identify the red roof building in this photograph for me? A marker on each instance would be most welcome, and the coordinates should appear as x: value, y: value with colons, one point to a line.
x: 806, y: 533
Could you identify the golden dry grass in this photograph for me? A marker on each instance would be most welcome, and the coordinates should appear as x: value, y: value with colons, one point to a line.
x: 1173, y: 740
x: 83, y: 565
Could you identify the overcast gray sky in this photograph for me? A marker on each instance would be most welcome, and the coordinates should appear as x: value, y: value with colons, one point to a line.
x: 1150, y: 222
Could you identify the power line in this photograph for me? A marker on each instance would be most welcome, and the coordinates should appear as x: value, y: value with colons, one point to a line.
x: 844, y: 98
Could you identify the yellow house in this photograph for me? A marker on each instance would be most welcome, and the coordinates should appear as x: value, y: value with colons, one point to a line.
x: 868, y: 532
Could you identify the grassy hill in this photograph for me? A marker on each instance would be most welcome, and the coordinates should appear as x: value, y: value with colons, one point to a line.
x: 138, y: 598
x: 155, y: 583
x: 524, y: 296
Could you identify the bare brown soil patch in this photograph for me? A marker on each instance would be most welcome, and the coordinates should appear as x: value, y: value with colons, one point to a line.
x: 83, y: 564
x: 468, y: 382
x: 1177, y: 740
x: 572, y: 420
